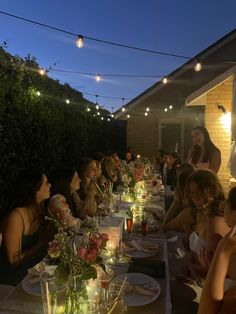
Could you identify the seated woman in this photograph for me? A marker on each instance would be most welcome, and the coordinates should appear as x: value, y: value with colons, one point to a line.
x: 207, y: 198
x: 65, y: 181
x: 214, y: 299
x: 173, y: 220
x: 108, y: 174
x: 23, y: 243
x: 88, y: 190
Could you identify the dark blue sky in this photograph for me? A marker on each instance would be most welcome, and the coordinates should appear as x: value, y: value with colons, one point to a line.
x: 183, y: 27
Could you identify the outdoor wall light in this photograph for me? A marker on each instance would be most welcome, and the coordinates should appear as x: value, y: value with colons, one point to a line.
x: 222, y: 108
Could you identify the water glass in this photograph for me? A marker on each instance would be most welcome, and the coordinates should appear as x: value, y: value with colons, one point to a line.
x: 49, y: 291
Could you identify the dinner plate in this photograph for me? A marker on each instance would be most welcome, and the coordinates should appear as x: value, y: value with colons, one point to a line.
x: 141, y: 254
x: 35, y: 288
x: 142, y: 280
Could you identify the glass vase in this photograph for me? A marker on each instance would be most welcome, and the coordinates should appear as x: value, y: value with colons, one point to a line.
x: 76, y: 296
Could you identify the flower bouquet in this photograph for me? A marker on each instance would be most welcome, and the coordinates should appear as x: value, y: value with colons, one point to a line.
x: 77, y: 258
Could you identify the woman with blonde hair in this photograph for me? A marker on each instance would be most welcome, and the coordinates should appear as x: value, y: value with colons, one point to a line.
x: 87, y: 192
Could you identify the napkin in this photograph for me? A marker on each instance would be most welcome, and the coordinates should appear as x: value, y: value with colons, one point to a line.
x: 139, y: 289
x: 34, y: 272
x: 139, y: 247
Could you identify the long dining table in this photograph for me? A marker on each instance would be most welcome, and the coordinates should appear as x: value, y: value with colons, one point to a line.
x: 19, y: 301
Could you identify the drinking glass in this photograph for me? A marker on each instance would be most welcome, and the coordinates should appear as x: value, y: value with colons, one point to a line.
x: 49, y: 291
x: 129, y: 224
x: 116, y: 297
x: 144, y: 228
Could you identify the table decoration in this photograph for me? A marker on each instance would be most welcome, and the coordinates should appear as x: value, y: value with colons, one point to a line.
x: 76, y: 261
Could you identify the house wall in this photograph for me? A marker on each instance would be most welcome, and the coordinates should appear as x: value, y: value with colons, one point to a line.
x: 218, y: 126
x: 142, y: 134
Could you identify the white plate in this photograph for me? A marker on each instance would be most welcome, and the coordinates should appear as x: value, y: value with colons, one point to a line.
x: 136, y: 299
x: 35, y: 288
x: 140, y: 254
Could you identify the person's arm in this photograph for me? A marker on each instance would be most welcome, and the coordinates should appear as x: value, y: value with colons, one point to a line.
x: 215, y: 161
x: 171, y: 213
x: 179, y: 222
x: 213, y: 289
x: 12, y: 239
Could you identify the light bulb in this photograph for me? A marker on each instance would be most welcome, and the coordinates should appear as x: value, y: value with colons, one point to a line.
x: 88, y: 109
x: 97, y: 107
x: 42, y: 72
x: 147, y: 109
x: 198, y: 67
x: 164, y: 81
x: 67, y: 101
x: 112, y: 115
x: 170, y: 107
x: 98, y: 113
x: 102, y: 118
x: 38, y: 93
x: 166, y: 109
x: 79, y: 41
x: 108, y: 119
x: 146, y: 114
x: 98, y: 77
x: 128, y: 116
x: 123, y: 109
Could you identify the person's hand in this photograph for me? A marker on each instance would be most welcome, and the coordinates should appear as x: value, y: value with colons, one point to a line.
x: 227, y: 245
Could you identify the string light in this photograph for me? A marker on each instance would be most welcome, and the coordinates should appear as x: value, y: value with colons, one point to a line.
x: 67, y: 101
x: 88, y: 109
x: 128, y: 116
x: 170, y: 107
x: 147, y: 109
x: 166, y: 110
x: 98, y: 77
x: 38, y: 93
x: 79, y: 41
x: 198, y: 66
x: 108, y: 119
x: 165, y: 80
x: 112, y: 115
x: 42, y: 71
x: 146, y: 114
x: 102, y: 118
x: 80, y: 38
x: 98, y: 113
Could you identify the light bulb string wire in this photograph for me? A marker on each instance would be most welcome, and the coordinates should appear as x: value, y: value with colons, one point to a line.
x: 93, y: 38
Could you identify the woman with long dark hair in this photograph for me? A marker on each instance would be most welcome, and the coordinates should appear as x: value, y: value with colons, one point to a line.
x: 65, y: 181
x: 204, y: 154
x: 22, y: 239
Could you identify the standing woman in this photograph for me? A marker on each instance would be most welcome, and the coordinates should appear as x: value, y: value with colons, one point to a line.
x: 22, y: 240
x: 204, y: 154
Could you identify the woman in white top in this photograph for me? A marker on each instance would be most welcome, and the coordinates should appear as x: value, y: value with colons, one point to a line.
x: 204, y: 154
x: 207, y: 198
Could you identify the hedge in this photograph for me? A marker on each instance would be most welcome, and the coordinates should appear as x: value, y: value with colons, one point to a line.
x: 43, y: 130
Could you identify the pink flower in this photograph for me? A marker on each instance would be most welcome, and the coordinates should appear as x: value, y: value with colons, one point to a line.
x: 104, y: 237
x: 82, y: 252
x: 91, y: 254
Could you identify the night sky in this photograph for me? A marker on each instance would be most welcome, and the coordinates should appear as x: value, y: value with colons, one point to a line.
x: 184, y: 27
